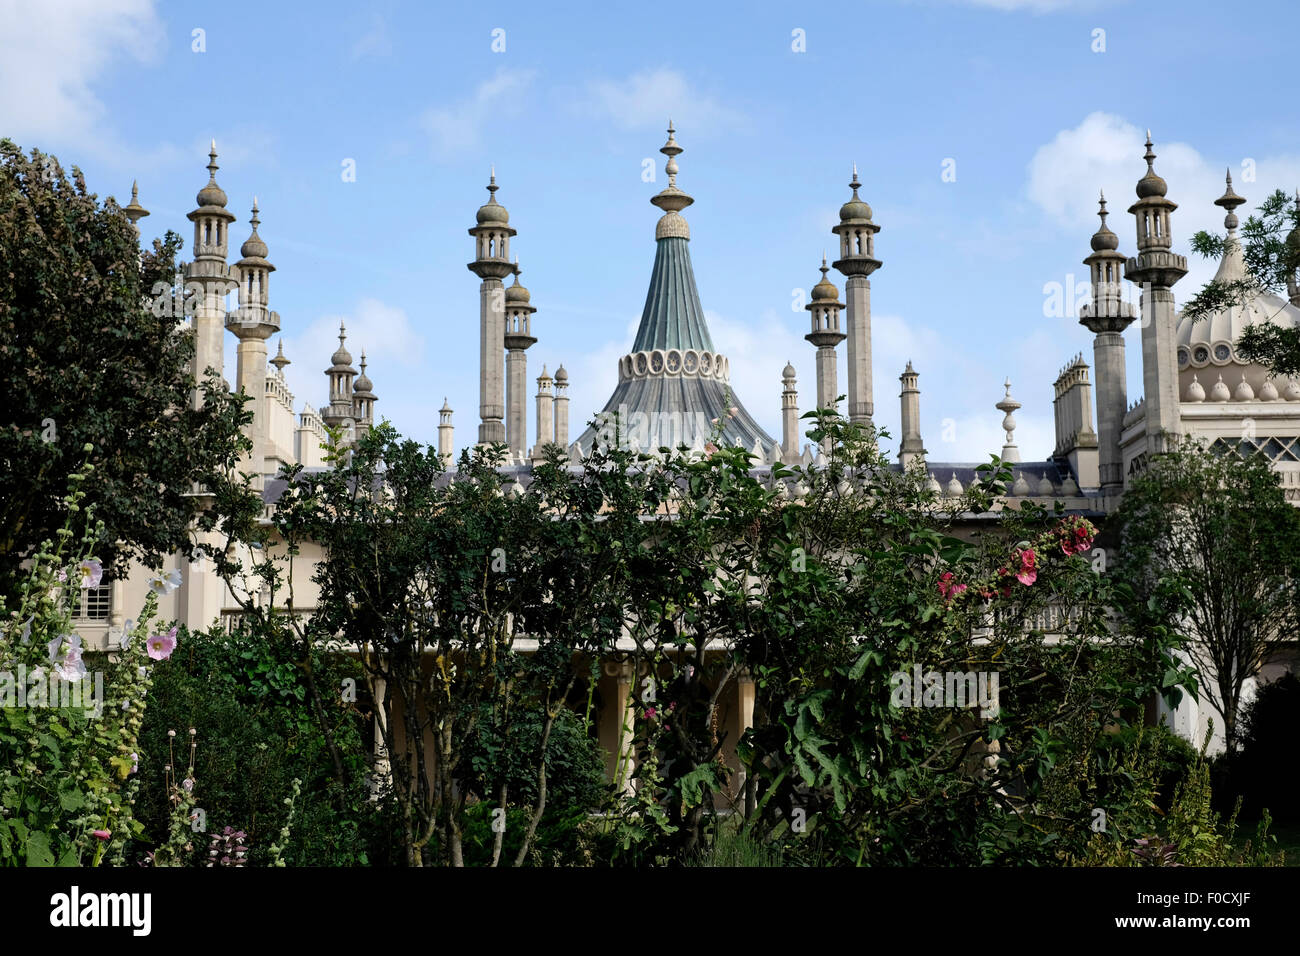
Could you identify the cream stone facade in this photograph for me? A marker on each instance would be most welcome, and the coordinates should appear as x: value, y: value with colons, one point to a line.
x: 674, y: 382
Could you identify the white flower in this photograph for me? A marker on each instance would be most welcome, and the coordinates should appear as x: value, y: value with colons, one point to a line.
x: 27, y: 630
x: 127, y: 627
x: 164, y: 583
x: 65, y: 646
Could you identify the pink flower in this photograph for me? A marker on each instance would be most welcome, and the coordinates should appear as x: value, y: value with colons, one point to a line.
x: 91, y: 571
x: 710, y: 448
x: 101, y: 834
x: 1028, y: 572
x: 650, y: 712
x: 160, y: 646
x: 947, y: 589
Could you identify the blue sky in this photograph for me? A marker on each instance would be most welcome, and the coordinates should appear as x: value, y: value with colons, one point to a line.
x: 1035, y: 119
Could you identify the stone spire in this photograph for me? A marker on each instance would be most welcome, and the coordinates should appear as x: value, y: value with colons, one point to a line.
x: 910, y: 448
x: 491, y: 233
x: 446, y: 435
x: 545, y: 410
x: 363, y: 400
x: 338, y: 413
x: 1156, y: 269
x: 1008, y: 406
x: 857, y: 234
x: 518, y: 337
x: 1107, y: 316
x: 671, y: 199
x: 280, y: 361
x: 209, y: 271
x: 134, y: 211
x: 1232, y: 267
x: 825, y: 312
x: 561, y: 407
x: 253, y: 323
x: 789, y: 416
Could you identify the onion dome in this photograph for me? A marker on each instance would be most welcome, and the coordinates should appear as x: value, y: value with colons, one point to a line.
x: 1243, y: 392
x: 932, y: 484
x: 1195, y: 391
x: 1268, y: 391
x: 561, y: 376
x: 1151, y: 185
x: 516, y: 292
x: 212, y: 194
x: 1045, y: 486
x: 825, y: 291
x: 954, y: 486
x: 342, y: 358
x: 254, y: 247
x: 1021, y: 486
x: 1292, y: 391
x: 1220, y: 391
x: 788, y: 373
x: 280, y: 361
x: 1103, y: 240
x: 855, y: 208
x: 492, y: 212
x: 362, y: 387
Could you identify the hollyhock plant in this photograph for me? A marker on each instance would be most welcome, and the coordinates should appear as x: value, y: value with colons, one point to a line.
x: 160, y: 646
x: 91, y: 571
x: 164, y: 583
x: 1028, y: 572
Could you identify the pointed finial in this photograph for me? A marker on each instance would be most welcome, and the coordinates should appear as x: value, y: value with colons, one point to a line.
x: 1230, y: 201
x: 212, y: 162
x: 343, y: 332
x: 824, y: 268
x: 255, y: 221
x: 1149, y: 155
x: 135, y: 190
x: 855, y: 185
x: 134, y: 211
x: 1101, y: 210
x: 492, y: 183
x: 280, y: 361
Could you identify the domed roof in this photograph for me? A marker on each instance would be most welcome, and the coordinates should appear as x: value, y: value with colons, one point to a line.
x: 254, y: 247
x: 516, y: 292
x: 492, y: 212
x: 342, y: 357
x: 1103, y: 240
x: 788, y: 372
x: 855, y: 208
x: 561, y: 375
x: 825, y: 291
x: 361, y: 388
x: 212, y: 194
x: 1151, y: 185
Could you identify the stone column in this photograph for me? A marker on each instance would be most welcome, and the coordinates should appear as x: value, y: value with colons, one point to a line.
x: 858, y: 301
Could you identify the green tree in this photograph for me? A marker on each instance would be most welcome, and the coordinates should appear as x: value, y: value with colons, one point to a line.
x: 90, y: 363
x: 1272, y: 257
x: 1211, y: 548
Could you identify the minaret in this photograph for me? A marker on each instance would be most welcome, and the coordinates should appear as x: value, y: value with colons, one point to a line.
x: 910, y: 448
x: 209, y: 271
x: 338, y: 413
x: 363, y: 400
x: 1293, y: 247
x: 857, y: 250
x: 1107, y: 316
x: 1156, y: 269
x: 825, y: 309
x: 789, y: 416
x: 253, y: 323
x: 280, y: 361
x: 134, y: 211
x: 545, y: 408
x: 1008, y: 406
x: 518, y: 337
x: 491, y: 264
x: 446, y: 435
x: 561, y: 408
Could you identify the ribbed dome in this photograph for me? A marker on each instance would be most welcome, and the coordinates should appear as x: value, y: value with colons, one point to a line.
x: 253, y: 247
x: 1103, y: 240
x: 854, y: 209
x: 211, y: 195
x: 1220, y: 391
x: 516, y: 292
x: 492, y: 213
x: 1268, y: 391
x: 825, y: 291
x: 342, y: 358
x: 1195, y: 392
x: 1151, y: 185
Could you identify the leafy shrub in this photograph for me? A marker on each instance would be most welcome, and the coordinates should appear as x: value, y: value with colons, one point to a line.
x: 1265, y: 771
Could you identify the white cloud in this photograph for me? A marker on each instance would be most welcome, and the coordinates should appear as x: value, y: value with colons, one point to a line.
x: 374, y: 42
x: 1105, y: 152
x: 52, y: 55
x: 649, y: 98
x: 384, y: 331
x: 460, y: 126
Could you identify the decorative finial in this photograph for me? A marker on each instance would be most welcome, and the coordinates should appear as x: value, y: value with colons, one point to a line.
x: 255, y: 221
x: 134, y: 211
x: 343, y: 333
x: 492, y: 183
x: 855, y: 185
x: 1149, y: 156
x: 1230, y: 201
x: 212, y: 162
x: 280, y: 361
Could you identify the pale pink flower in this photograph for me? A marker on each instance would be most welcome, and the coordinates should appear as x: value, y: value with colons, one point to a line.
x: 160, y: 646
x: 91, y: 571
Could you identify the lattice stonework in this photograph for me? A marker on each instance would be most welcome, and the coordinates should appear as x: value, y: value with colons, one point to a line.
x: 94, y: 604
x: 1276, y: 448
